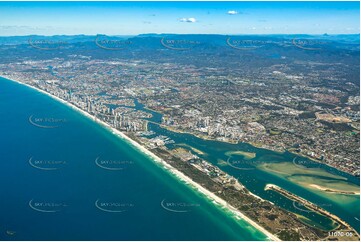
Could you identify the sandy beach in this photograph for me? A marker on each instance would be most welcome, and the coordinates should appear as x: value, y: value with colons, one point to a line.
x: 325, y: 189
x: 161, y: 162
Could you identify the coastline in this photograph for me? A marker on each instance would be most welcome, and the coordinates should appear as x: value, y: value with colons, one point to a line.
x: 318, y: 162
x: 325, y: 189
x: 159, y: 161
x: 259, y: 147
x: 204, y: 137
x: 313, y: 206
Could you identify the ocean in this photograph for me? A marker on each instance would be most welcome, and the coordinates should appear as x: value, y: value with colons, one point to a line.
x: 65, y: 177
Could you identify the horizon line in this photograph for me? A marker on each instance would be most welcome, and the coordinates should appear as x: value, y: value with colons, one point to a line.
x: 115, y: 35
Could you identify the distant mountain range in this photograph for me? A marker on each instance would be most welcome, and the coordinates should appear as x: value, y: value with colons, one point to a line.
x: 212, y: 38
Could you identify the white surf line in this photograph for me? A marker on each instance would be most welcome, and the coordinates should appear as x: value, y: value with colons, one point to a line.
x: 159, y: 161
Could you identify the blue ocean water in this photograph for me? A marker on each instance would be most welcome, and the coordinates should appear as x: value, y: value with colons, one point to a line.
x: 54, y: 184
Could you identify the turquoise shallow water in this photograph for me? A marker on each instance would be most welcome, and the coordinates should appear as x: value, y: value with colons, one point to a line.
x: 256, y: 179
x: 52, y: 188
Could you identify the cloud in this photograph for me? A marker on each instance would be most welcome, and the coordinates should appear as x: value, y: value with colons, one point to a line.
x: 188, y: 20
x: 232, y: 12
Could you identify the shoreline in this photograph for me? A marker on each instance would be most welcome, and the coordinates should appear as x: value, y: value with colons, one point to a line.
x: 312, y: 206
x: 318, y: 162
x: 206, y: 138
x: 157, y: 160
x: 259, y: 147
x: 325, y: 189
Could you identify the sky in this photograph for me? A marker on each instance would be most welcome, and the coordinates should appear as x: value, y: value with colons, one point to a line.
x: 131, y: 18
